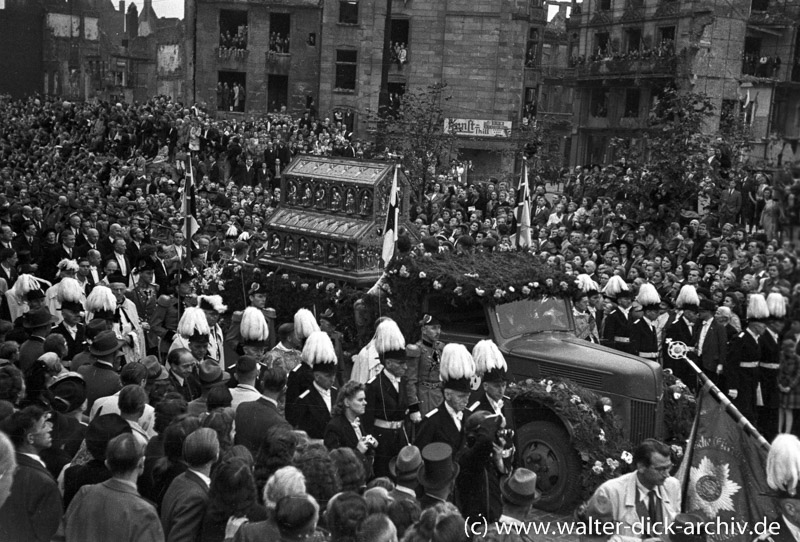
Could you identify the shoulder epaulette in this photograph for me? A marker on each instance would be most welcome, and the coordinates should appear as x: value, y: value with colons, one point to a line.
x: 302, y: 395
x: 741, y: 334
x: 296, y: 368
x: 166, y: 301
x: 371, y: 380
x: 506, y: 397
x: 637, y: 321
x: 432, y: 412
x: 473, y: 406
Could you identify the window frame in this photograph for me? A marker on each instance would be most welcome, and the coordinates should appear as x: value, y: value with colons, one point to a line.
x: 345, y: 64
x: 353, y: 3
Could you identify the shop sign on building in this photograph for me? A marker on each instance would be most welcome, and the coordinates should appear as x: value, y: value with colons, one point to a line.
x: 477, y: 127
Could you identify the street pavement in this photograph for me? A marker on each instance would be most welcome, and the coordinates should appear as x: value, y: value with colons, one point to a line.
x: 554, y: 520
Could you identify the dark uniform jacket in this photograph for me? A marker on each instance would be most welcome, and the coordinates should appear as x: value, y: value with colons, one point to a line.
x: 745, y: 355
x: 74, y: 346
x: 300, y: 379
x: 191, y: 388
x: 384, y: 403
x: 253, y: 420
x: 312, y: 412
x: 439, y: 426
x: 678, y: 330
x: 644, y: 339
x: 768, y: 369
x: 617, y: 331
x: 480, y: 401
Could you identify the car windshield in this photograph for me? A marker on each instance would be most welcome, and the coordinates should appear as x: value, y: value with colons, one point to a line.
x: 533, y: 316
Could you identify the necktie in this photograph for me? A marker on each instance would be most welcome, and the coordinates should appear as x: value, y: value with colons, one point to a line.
x: 653, y: 510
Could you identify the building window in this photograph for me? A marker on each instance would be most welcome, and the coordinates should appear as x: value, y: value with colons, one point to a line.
x: 666, y: 34
x: 601, y: 40
x: 346, y: 65
x: 399, y: 51
x: 633, y: 39
x: 232, y: 29
x: 599, y: 103
x: 279, y: 27
x: 348, y: 11
x: 632, y: 96
x: 751, y: 63
x: 231, y: 93
x: 605, y: 5
x: 277, y: 93
x: 532, y: 48
x: 759, y: 5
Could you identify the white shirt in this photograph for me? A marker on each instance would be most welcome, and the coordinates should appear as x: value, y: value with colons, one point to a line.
x: 457, y: 416
x: 271, y: 400
x: 703, y: 333
x: 393, y: 379
x: 110, y: 405
x: 36, y: 458
x: 206, y: 480
x: 496, y: 405
x: 121, y: 261
x: 326, y: 395
x: 243, y: 393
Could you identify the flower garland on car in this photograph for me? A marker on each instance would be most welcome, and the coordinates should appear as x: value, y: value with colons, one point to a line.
x: 680, y: 407
x: 597, y: 430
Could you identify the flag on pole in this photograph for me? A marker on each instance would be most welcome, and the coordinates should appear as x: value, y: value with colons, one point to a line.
x: 523, y: 210
x: 188, y: 205
x: 723, y: 471
x: 390, y: 228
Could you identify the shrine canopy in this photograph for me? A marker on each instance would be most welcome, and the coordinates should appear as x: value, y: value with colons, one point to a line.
x: 330, y: 218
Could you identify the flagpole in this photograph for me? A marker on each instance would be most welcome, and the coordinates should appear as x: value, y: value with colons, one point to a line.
x: 186, y: 223
x: 680, y: 353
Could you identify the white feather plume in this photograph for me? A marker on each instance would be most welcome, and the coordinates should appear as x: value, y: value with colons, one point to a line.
x: 68, y: 265
x: 488, y: 357
x: 456, y: 363
x: 687, y: 296
x: 586, y: 284
x: 24, y: 284
x: 757, y: 307
x: 232, y: 232
x: 101, y: 299
x: 305, y: 324
x: 70, y: 289
x: 193, y: 320
x: 648, y: 295
x: 776, y: 305
x: 388, y: 337
x: 253, y: 326
x: 215, y: 301
x: 783, y: 464
x: 614, y: 286
x: 244, y: 236
x: 319, y: 349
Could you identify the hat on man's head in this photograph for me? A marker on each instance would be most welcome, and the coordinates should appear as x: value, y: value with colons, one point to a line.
x: 617, y: 288
x: 101, y: 302
x: 688, y: 299
x: 457, y: 368
x: 587, y: 285
x: 489, y: 361
x: 648, y: 297
x: 69, y: 392
x: 193, y: 325
x: 38, y: 318
x: 117, y: 278
x: 145, y: 264
x: 101, y: 430
x: 253, y: 328
x: 757, y: 309
x: 212, y: 303
x: 210, y: 374
x: 257, y: 288
x: 70, y: 294
x: 430, y: 320
x: 404, y: 467
x: 304, y: 324
x: 438, y: 468
x: 520, y: 487
x: 319, y: 353
x: 389, y: 340
x: 707, y: 305
x: 105, y: 343
x: 776, y: 305
x: 783, y: 467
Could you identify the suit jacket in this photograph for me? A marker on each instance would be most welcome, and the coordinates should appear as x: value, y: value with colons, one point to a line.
x: 48, y: 265
x: 183, y: 508
x: 339, y: 433
x: 33, y: 510
x: 191, y: 388
x: 300, y: 379
x: 715, y: 346
x: 258, y: 531
x: 118, y: 513
x: 615, y: 501
x: 384, y: 402
x: 10, y: 277
x: 730, y: 204
x: 253, y: 420
x: 439, y: 426
x: 29, y: 352
x: 74, y: 346
x: 644, y: 339
x: 34, y: 247
x: 121, y: 257
x: 312, y: 412
x: 618, y: 326
x: 480, y: 401
x: 101, y: 381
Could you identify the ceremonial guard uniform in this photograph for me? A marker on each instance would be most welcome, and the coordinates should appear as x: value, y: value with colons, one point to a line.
x: 387, y: 398
x: 644, y: 339
x: 257, y: 296
x: 301, y: 377
x: 617, y: 325
x: 769, y: 367
x: 682, y: 329
x: 424, y: 385
x: 745, y: 356
x: 490, y: 361
x: 584, y: 315
x: 145, y: 297
x: 168, y: 312
x: 313, y: 408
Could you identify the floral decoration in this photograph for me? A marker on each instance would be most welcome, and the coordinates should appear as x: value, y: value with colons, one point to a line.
x: 680, y: 407
x: 597, y: 433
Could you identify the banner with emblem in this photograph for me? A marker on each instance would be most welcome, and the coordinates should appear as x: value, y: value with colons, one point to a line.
x: 723, y: 471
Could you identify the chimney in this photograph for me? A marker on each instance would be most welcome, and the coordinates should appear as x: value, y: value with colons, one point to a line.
x: 122, y: 12
x: 562, y: 10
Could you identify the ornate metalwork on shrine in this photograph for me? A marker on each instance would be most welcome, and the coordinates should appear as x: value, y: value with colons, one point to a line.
x: 330, y: 218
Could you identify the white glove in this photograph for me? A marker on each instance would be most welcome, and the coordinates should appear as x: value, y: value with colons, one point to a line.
x: 719, y: 369
x: 733, y: 394
x: 416, y: 417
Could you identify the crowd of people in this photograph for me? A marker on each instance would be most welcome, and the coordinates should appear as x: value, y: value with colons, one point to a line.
x: 233, y: 44
x: 138, y: 405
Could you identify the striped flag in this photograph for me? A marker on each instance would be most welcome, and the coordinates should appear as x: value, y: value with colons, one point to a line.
x: 390, y: 228
x: 523, y: 210
x: 188, y: 205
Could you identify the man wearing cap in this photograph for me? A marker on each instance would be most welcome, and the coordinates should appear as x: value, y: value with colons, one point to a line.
x: 712, y: 344
x: 769, y: 366
x: 71, y: 328
x: 617, y: 325
x: 213, y: 308
x: 744, y: 359
x: 101, y: 376
x: 132, y: 373
x: 644, y: 334
x: 210, y: 375
x: 404, y: 470
x: 437, y: 475
x: 682, y: 329
x: 640, y: 498
x: 424, y: 386
x: 518, y: 494
x: 38, y: 323
x: 169, y: 309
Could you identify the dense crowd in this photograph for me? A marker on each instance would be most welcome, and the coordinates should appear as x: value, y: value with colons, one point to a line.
x: 121, y: 379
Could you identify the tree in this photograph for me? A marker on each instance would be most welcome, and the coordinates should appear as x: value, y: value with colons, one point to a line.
x: 414, y: 130
x: 663, y: 174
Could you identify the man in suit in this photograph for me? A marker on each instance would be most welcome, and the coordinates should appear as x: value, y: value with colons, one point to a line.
x: 648, y: 493
x: 184, y: 503
x: 730, y: 205
x: 48, y: 266
x: 92, y: 239
x: 446, y: 423
x: 404, y: 469
x: 6, y: 236
x: 182, y: 374
x: 29, y: 241
x: 71, y: 328
x: 255, y: 418
x: 617, y: 325
x: 644, y: 337
x: 711, y: 339
x: 682, y: 329
x: 74, y: 225
x: 134, y: 248
x: 263, y: 174
x: 101, y: 376
x: 38, y: 324
x: 8, y: 266
x: 114, y: 510
x: 33, y: 509
x: 491, y: 396
x: 119, y: 255
x: 314, y: 406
